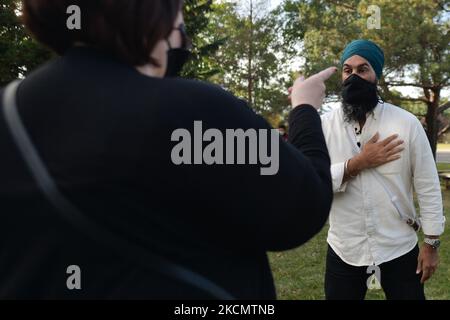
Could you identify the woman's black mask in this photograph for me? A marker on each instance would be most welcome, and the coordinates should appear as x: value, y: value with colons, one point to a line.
x: 177, y: 57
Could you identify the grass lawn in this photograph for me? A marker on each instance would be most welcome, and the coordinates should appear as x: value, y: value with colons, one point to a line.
x: 443, y: 166
x: 299, y: 274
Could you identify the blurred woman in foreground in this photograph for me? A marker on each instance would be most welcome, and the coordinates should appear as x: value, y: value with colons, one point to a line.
x: 101, y: 117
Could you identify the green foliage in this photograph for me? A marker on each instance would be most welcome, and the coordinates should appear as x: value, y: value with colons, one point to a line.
x: 202, y: 66
x: 19, y: 53
x: 251, y: 52
x: 254, y: 56
x: 414, y: 36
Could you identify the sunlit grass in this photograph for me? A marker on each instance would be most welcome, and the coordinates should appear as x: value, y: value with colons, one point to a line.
x: 443, y: 166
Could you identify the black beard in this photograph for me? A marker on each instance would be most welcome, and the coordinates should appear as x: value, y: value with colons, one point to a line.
x: 357, y: 112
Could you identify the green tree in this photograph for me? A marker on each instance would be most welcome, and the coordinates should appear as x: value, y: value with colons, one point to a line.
x: 414, y: 35
x: 254, y: 66
x: 197, y: 14
x: 19, y: 53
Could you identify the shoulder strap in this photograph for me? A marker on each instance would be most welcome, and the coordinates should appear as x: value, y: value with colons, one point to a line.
x: 76, y: 218
x: 410, y: 220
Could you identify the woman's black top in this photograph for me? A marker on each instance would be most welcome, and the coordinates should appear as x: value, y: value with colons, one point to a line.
x: 104, y: 132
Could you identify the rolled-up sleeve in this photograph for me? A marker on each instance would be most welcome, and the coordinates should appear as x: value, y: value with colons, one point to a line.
x: 426, y: 184
x: 337, y: 176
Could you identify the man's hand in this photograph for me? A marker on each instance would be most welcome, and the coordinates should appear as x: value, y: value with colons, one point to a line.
x: 428, y: 262
x: 312, y: 90
x: 375, y: 154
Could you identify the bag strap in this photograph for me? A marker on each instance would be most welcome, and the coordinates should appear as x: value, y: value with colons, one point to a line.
x: 76, y: 218
x: 411, y: 221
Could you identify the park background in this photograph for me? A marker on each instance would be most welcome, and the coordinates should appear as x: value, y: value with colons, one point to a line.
x: 256, y: 48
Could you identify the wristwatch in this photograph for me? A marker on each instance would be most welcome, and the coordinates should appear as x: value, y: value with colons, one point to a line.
x: 435, y: 243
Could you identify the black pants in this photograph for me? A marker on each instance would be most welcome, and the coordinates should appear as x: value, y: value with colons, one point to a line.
x: 398, y: 278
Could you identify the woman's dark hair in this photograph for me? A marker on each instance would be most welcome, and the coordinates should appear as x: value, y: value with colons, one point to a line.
x: 129, y: 29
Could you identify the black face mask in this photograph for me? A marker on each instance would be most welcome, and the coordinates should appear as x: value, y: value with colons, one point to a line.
x: 359, y: 97
x: 177, y: 57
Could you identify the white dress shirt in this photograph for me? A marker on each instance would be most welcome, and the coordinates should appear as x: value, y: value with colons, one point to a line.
x: 365, y: 226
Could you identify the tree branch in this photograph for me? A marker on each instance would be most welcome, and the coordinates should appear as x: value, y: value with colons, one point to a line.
x: 444, y: 82
x: 344, y: 5
x: 443, y: 130
x: 444, y: 107
x: 404, y: 84
x: 414, y: 99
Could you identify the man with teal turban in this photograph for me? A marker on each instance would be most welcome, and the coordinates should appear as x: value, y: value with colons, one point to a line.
x: 379, y: 154
x: 362, y: 63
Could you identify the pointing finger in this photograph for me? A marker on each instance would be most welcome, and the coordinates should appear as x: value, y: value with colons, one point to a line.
x: 326, y: 74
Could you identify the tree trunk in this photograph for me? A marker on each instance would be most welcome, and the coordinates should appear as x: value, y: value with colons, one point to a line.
x: 432, y: 117
x: 432, y: 132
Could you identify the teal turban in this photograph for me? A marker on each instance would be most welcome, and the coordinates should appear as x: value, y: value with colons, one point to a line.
x: 369, y: 51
